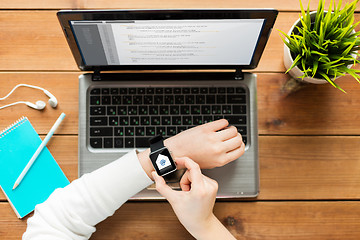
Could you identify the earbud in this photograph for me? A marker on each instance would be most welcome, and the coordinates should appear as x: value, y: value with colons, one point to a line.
x: 39, y: 105
x: 52, y: 101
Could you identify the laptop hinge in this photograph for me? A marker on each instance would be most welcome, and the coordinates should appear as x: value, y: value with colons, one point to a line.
x: 239, y: 75
x: 96, y: 75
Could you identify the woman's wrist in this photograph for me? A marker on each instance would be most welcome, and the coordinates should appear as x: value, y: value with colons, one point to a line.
x: 211, y: 229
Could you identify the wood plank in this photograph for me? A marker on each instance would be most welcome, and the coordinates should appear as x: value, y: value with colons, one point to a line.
x: 291, y: 167
x: 316, y: 109
x: 33, y: 40
x: 245, y: 220
x: 282, y: 5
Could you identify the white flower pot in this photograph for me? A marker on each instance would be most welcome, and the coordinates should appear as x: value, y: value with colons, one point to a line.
x: 288, y: 60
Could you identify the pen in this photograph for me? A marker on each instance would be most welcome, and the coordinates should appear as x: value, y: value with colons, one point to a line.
x: 38, y: 151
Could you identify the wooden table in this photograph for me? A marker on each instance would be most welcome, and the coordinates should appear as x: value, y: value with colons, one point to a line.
x: 309, y: 140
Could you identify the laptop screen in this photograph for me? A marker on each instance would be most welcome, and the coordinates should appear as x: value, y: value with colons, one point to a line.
x: 166, y: 39
x: 168, y: 42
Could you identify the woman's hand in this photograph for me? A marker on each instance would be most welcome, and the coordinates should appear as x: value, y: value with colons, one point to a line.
x: 213, y: 144
x: 194, y: 204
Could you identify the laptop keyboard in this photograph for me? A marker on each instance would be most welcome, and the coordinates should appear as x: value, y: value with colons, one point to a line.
x: 128, y: 117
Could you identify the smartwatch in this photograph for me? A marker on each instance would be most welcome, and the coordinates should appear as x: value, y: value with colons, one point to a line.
x: 160, y: 156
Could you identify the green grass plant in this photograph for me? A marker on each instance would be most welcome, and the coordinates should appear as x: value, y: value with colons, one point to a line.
x: 325, y: 45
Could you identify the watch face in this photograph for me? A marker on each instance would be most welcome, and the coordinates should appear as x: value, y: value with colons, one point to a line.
x: 162, y: 162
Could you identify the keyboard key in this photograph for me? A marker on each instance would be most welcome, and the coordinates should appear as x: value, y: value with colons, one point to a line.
x: 179, y: 99
x: 169, y: 99
x: 164, y: 110
x: 137, y: 99
x: 174, y: 110
x: 143, y: 110
x: 118, y: 142
x: 205, y: 109
x: 244, y: 138
x: 168, y: 90
x: 132, y: 110
x: 187, y: 120
x: 226, y: 109
x: 95, y: 91
x: 241, y: 130
x: 181, y: 129
x: 161, y: 131
x: 105, y: 91
x: 145, y: 120
x: 171, y: 131
x: 129, y: 131
x: 208, y: 118
x: 200, y: 99
x: 220, y: 99
x: 119, y: 131
x: 204, y: 90
x: 212, y: 90
x: 186, y: 90
x: 216, y: 109
x: 127, y: 99
x: 153, y: 110
x: 185, y: 110
x: 190, y: 99
x: 141, y: 91
x: 101, y: 131
x: 240, y: 90
x: 159, y: 90
x: 150, y: 90
x: 122, y: 110
x: 158, y: 99
x: 210, y: 99
x: 236, y: 99
x: 239, y: 109
x: 236, y: 119
x: 230, y: 90
x: 123, y: 121
x: 142, y: 142
x: 108, y: 142
x: 94, y: 100
x: 123, y: 91
x: 195, y: 109
x: 221, y: 90
x: 176, y: 120
x: 98, y: 121
x: 105, y: 100
x: 197, y: 120
x: 150, y: 131
x: 148, y: 99
x: 139, y: 131
x: 132, y: 90
x: 195, y: 90
x: 166, y: 120
x: 96, y: 142
x: 114, y: 91
x: 177, y: 90
x: 113, y: 121
x: 134, y: 121
x: 115, y: 100
x: 155, y: 121
x: 111, y: 110
x: 129, y: 142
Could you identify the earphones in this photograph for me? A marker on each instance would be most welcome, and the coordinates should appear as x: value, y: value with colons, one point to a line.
x: 39, y: 105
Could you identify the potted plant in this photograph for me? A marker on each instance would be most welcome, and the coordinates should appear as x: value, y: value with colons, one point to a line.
x: 322, y: 45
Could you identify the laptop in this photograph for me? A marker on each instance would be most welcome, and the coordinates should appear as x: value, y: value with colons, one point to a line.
x: 140, y: 82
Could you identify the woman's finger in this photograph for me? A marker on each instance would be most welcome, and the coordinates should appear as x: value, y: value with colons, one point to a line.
x: 233, y: 143
x: 162, y: 188
x: 227, y: 133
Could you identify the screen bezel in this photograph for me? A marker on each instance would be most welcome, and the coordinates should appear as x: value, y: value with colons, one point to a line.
x: 65, y: 16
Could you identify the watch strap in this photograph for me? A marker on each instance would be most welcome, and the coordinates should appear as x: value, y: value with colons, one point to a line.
x: 156, y: 143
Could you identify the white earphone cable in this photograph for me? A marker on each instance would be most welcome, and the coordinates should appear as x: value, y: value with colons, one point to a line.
x: 11, y: 104
x: 20, y: 85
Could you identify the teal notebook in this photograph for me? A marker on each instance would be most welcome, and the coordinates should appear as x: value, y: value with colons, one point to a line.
x: 18, y: 143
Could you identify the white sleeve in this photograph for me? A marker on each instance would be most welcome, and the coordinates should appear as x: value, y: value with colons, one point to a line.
x: 73, y: 211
